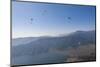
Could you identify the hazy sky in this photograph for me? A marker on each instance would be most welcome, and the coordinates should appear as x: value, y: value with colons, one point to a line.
x: 39, y: 19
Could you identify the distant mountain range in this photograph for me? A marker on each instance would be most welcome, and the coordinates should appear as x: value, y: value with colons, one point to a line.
x: 74, y: 37
x: 36, y: 46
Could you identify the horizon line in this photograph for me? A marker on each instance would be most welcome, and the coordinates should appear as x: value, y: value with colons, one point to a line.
x: 59, y: 35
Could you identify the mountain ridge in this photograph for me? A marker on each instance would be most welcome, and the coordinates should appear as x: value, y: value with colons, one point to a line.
x: 45, y: 49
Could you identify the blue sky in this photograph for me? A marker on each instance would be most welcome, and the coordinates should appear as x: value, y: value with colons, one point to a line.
x: 50, y: 19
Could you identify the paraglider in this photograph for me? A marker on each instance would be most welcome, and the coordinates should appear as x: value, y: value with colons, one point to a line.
x: 31, y: 20
x: 69, y: 19
x: 44, y: 12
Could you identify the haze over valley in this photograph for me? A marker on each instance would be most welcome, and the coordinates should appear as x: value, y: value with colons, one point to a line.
x: 77, y: 46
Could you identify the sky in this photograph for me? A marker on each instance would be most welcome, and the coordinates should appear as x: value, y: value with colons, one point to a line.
x: 42, y: 19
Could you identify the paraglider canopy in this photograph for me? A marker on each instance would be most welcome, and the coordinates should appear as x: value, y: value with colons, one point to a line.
x: 69, y: 18
x: 31, y: 20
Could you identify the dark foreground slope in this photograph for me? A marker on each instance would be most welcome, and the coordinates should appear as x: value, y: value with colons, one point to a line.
x: 77, y: 46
